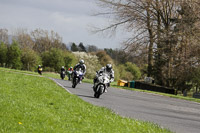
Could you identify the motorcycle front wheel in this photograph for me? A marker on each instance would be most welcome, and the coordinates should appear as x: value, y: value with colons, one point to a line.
x: 74, y: 83
x: 98, y: 92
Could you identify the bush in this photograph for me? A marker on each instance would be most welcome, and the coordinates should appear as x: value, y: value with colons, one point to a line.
x: 30, y: 60
x: 69, y: 59
x: 134, y: 70
x: 3, y: 52
x: 49, y: 69
x: 54, y: 59
x: 14, y: 56
x: 124, y: 74
x: 104, y: 58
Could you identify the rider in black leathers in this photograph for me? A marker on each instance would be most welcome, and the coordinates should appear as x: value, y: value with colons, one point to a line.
x: 81, y: 65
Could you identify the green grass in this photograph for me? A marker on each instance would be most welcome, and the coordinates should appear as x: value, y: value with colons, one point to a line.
x: 36, y: 104
x: 45, y: 74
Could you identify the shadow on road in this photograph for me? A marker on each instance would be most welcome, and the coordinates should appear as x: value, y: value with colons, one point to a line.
x: 85, y: 96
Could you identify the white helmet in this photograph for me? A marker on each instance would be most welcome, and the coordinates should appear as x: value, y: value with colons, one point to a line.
x: 63, y: 67
x: 81, y: 61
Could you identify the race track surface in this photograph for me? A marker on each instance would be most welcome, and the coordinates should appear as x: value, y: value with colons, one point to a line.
x: 177, y: 115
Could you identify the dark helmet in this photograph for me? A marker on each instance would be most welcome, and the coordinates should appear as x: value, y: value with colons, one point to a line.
x: 108, y: 67
x: 81, y: 61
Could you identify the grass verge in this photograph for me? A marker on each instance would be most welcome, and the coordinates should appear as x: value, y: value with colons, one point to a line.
x: 37, y: 104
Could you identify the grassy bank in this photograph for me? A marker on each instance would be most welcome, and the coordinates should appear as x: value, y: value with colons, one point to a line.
x: 36, y: 104
x: 114, y: 84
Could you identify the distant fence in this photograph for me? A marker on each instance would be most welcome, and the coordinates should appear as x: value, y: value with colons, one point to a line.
x: 196, y: 95
x: 153, y: 87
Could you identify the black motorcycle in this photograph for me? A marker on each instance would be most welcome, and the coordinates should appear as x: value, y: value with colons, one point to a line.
x: 40, y: 71
x: 62, y: 75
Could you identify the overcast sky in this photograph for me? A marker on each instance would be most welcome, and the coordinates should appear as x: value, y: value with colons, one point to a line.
x: 71, y: 19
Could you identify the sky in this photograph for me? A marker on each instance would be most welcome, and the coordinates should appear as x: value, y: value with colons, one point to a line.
x: 71, y: 19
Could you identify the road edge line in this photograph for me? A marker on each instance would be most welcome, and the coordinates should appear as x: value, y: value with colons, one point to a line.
x: 60, y: 85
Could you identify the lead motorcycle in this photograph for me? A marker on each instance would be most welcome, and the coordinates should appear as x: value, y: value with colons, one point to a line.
x: 101, y: 84
x: 76, y: 77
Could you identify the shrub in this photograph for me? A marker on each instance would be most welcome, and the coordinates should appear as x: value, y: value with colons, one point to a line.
x: 133, y: 69
x: 69, y: 59
x: 14, y: 56
x: 3, y: 52
x: 104, y: 58
x: 54, y: 59
x: 30, y: 59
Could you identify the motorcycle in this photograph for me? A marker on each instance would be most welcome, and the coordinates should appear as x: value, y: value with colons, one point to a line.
x: 62, y: 75
x: 76, y: 77
x: 69, y: 73
x: 101, y: 84
x: 40, y: 71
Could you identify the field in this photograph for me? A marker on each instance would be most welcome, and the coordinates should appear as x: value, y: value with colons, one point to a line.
x: 36, y: 104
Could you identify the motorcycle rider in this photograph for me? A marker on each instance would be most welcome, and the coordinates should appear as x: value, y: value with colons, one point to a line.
x: 108, y: 70
x: 81, y: 65
x: 69, y: 72
x: 62, y: 70
x: 39, y: 69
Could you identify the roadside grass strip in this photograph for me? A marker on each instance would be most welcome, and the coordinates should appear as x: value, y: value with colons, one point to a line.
x: 37, y: 104
x: 44, y: 74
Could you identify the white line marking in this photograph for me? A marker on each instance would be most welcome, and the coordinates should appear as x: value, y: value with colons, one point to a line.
x: 60, y: 85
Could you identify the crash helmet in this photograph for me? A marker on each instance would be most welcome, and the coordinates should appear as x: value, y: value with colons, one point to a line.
x: 81, y: 61
x: 63, y: 67
x: 108, y: 67
x: 39, y: 65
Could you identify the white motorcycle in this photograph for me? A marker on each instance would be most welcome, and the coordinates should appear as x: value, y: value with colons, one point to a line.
x: 101, y: 84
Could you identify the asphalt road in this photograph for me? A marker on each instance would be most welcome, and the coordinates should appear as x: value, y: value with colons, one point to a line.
x: 177, y: 115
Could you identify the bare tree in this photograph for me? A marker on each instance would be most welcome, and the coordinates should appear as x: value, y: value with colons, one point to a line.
x: 4, y: 35
x: 44, y: 40
x: 24, y: 39
x: 169, y: 29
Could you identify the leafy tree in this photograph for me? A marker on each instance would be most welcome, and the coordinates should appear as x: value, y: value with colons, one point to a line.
x: 30, y: 59
x: 53, y: 59
x: 69, y: 59
x: 74, y: 47
x: 133, y: 69
x: 195, y: 79
x: 104, y: 58
x: 14, y: 56
x: 124, y: 74
x: 92, y: 48
x: 3, y: 53
x: 82, y: 47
